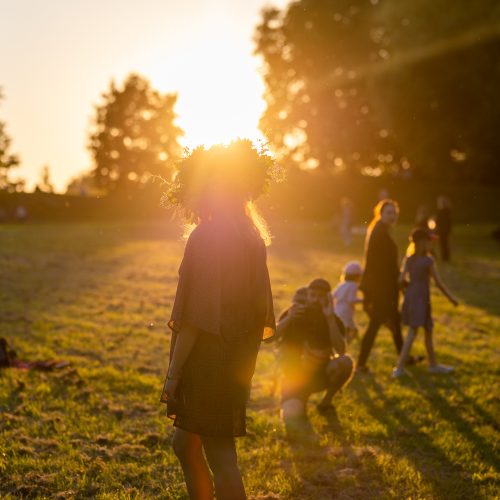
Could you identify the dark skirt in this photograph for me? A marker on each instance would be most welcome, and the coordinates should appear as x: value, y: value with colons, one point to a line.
x: 215, y: 385
x: 417, y: 312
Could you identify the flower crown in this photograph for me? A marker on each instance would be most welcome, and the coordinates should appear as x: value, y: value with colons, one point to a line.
x: 239, y: 169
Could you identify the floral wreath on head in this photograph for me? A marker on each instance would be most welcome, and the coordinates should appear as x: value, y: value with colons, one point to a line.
x: 240, y: 167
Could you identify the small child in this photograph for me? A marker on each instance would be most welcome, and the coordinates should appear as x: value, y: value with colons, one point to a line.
x: 419, y: 267
x: 345, y: 297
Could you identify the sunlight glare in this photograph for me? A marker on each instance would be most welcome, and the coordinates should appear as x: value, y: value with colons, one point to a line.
x: 220, y: 95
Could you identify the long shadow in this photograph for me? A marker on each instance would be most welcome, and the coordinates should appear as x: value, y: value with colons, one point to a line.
x: 412, y: 444
x: 308, y: 447
x: 484, y: 449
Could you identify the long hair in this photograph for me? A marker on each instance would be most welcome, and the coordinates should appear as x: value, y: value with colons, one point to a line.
x: 252, y: 217
x: 377, y: 213
x: 223, y: 182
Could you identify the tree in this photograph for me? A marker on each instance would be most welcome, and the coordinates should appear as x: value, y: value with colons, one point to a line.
x: 83, y: 185
x: 318, y: 110
x: 7, y: 160
x: 133, y: 136
x: 384, y: 86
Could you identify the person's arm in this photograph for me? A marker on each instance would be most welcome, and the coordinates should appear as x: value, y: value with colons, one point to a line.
x: 287, y: 317
x: 440, y: 284
x: 403, y: 271
x: 336, y: 338
x: 184, y: 343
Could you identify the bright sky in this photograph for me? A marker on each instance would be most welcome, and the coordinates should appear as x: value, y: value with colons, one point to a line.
x: 58, y: 56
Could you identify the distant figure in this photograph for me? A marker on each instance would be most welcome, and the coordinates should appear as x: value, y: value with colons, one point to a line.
x: 495, y: 234
x: 345, y: 225
x: 21, y: 213
x: 422, y: 217
x: 379, y: 283
x: 223, y: 309
x: 443, y: 226
x: 312, y: 350
x: 345, y: 297
x: 418, y: 268
x: 383, y: 194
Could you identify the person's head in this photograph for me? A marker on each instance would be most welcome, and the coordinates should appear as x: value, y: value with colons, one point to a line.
x: 387, y: 211
x: 443, y: 202
x: 422, y: 239
x: 317, y: 291
x: 221, y: 183
x: 352, y: 271
x: 300, y: 296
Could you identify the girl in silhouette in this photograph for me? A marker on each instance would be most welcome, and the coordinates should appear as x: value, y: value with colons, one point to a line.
x: 418, y: 269
x: 222, y: 310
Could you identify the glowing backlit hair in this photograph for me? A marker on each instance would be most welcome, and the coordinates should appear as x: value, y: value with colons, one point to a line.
x: 377, y: 212
x: 237, y: 173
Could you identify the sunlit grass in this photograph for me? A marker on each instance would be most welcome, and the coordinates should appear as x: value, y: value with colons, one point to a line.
x: 98, y: 295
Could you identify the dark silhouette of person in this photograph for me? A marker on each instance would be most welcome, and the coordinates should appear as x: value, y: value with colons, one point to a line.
x: 312, y: 350
x: 422, y: 217
x: 443, y: 226
x: 222, y: 310
x: 379, y: 283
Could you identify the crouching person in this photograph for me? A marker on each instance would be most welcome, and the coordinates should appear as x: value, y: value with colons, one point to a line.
x: 312, y: 350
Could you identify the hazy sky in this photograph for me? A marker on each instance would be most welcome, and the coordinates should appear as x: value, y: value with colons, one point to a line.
x: 58, y: 56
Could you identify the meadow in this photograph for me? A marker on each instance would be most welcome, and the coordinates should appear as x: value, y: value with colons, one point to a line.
x: 99, y: 294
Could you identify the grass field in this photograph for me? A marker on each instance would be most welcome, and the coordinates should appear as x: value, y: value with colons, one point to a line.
x: 99, y: 295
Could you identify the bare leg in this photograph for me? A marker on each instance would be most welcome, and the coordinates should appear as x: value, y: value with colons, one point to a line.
x: 188, y: 449
x: 429, y: 346
x: 405, y: 352
x: 339, y: 372
x: 222, y: 459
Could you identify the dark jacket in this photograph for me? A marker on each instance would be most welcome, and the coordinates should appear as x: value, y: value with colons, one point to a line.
x: 379, y: 283
x: 443, y: 221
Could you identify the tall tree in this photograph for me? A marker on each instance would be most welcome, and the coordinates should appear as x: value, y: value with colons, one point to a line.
x: 318, y: 111
x: 384, y: 86
x: 133, y: 135
x: 8, y: 160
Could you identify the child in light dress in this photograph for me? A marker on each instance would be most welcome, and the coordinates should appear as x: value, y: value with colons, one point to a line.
x: 345, y: 297
x: 416, y: 272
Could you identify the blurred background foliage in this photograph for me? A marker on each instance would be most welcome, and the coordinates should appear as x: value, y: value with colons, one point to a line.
x: 361, y: 96
x: 384, y: 87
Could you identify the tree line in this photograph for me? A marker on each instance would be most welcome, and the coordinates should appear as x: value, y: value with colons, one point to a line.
x: 371, y: 88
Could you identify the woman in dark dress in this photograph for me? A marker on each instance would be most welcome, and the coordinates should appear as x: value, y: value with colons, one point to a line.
x: 379, y: 283
x: 223, y: 309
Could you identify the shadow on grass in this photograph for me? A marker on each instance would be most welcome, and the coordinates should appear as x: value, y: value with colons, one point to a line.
x: 410, y: 443
x: 328, y: 464
x: 452, y: 414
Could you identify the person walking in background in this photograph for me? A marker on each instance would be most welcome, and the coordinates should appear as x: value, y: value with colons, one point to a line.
x: 223, y: 309
x: 416, y: 271
x: 422, y: 217
x: 379, y: 283
x: 443, y: 226
x: 345, y: 225
x: 345, y: 297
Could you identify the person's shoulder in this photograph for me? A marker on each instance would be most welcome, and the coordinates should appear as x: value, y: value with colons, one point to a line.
x: 201, y: 235
x: 379, y: 231
x: 429, y: 259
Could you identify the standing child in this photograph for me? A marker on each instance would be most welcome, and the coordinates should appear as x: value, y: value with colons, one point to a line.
x: 222, y: 310
x: 345, y: 298
x: 419, y: 268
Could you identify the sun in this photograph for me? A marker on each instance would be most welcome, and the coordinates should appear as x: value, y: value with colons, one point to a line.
x: 220, y: 93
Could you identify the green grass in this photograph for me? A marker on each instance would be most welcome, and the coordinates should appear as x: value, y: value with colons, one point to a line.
x: 99, y: 296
